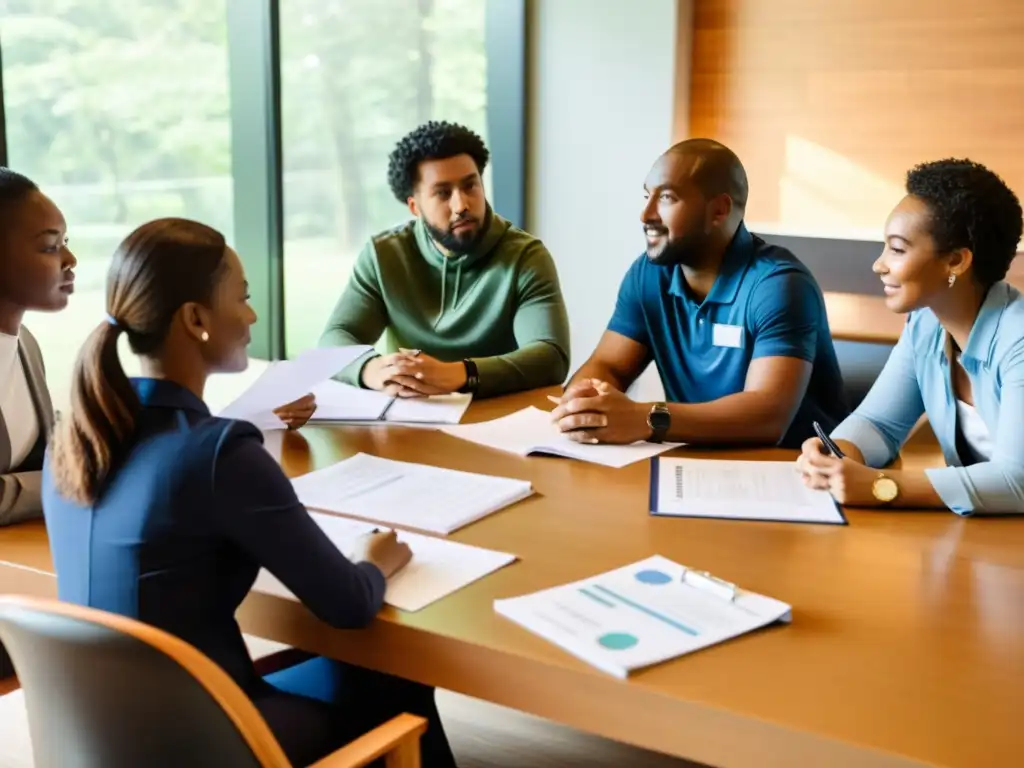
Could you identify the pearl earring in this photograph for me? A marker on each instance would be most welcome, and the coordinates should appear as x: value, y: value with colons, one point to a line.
x: 952, y: 279
x: 206, y: 337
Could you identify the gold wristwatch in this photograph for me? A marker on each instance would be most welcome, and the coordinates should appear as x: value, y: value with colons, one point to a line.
x: 885, y: 489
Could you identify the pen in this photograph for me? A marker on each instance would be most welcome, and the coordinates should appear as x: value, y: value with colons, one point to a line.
x: 384, y: 414
x: 828, y: 442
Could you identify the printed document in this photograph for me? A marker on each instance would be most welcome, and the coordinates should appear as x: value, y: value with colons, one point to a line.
x: 531, y: 431
x: 406, y: 495
x: 642, y: 614
x: 285, y: 381
x: 739, y: 490
x: 437, y: 569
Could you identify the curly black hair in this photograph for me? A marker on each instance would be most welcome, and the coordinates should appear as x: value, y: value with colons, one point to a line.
x: 971, y: 207
x: 431, y: 141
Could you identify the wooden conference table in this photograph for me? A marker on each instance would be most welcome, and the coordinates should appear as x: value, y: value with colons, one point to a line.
x: 906, y: 647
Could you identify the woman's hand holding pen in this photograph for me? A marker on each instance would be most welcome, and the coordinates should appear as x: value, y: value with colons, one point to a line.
x: 384, y: 550
x: 849, y: 481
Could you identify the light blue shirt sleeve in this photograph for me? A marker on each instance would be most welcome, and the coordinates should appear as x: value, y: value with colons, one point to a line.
x: 995, y: 486
x: 880, y: 424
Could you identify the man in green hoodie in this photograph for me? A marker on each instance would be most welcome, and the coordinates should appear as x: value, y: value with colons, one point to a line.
x: 468, y: 302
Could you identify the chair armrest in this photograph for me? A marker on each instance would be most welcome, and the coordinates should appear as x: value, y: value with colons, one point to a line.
x: 279, y: 660
x: 399, y: 736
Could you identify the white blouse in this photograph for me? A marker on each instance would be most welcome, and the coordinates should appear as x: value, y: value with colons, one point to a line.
x: 974, y: 431
x: 16, y: 402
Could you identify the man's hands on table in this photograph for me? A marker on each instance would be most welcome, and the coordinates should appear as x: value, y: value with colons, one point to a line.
x: 593, y: 411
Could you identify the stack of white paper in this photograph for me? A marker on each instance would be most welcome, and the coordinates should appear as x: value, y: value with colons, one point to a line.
x: 406, y: 495
x: 643, y: 614
x: 531, y: 431
x: 285, y: 381
x: 739, y: 490
x: 437, y: 568
x: 340, y: 402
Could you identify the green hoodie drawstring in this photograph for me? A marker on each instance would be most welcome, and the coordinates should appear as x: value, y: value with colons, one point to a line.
x: 444, y: 285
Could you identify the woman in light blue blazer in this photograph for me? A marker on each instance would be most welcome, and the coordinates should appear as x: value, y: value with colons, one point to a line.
x: 960, y: 359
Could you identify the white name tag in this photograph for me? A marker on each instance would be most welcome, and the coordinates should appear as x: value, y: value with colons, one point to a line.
x: 727, y: 335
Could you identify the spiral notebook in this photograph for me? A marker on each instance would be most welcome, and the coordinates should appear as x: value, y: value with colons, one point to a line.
x: 738, y: 490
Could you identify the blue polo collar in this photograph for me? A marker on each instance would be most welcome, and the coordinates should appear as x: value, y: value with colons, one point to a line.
x: 160, y: 393
x: 730, y: 275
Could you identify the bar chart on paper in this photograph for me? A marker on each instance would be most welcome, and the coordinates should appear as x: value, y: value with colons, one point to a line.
x: 641, y: 614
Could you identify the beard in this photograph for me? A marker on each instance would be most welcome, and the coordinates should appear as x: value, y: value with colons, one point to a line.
x: 460, y: 242
x: 687, y: 250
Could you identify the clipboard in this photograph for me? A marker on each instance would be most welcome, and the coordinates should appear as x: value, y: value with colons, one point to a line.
x: 643, y: 614
x: 819, y: 510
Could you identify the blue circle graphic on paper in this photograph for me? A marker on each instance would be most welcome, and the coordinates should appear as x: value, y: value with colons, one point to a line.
x: 653, y: 577
x: 618, y: 641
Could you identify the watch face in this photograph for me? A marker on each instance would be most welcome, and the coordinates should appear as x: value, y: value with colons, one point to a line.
x: 659, y: 419
x: 885, y: 489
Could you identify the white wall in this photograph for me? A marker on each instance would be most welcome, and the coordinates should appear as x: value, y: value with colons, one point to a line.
x: 601, y: 109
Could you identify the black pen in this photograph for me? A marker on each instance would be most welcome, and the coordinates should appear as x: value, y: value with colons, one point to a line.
x: 828, y: 442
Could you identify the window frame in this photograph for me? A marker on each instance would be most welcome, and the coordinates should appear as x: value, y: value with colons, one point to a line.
x: 254, y: 68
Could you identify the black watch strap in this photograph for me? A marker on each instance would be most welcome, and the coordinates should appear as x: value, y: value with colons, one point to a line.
x: 472, y: 377
x: 659, y: 420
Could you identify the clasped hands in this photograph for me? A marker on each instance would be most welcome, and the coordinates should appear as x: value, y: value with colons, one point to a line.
x: 592, y: 411
x: 849, y: 481
x: 411, y: 373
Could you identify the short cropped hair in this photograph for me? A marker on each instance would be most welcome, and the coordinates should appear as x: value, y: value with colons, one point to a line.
x: 431, y: 141
x: 718, y: 170
x: 14, y: 188
x: 971, y: 207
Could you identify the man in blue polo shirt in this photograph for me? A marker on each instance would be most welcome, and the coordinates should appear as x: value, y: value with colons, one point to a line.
x: 736, y: 327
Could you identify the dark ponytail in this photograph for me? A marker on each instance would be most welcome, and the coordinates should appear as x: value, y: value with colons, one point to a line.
x: 101, y: 420
x: 156, y: 269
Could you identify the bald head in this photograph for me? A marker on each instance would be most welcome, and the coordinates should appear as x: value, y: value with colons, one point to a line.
x: 715, y: 169
x: 696, y: 194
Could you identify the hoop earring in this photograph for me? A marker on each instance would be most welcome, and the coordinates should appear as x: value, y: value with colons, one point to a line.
x: 952, y: 280
x: 206, y: 337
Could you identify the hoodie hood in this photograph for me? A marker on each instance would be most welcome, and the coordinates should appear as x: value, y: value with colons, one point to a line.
x: 451, y: 267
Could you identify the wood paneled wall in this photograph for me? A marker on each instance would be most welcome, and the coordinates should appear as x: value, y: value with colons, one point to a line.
x: 829, y: 102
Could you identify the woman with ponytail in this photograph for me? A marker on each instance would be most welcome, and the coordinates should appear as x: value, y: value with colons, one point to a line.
x: 36, y: 273
x: 159, y: 511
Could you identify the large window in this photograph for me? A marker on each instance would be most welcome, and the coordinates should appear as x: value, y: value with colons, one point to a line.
x: 124, y: 112
x: 356, y: 75
x: 121, y: 113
